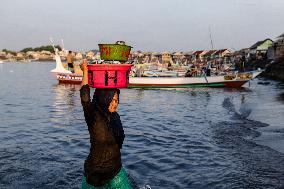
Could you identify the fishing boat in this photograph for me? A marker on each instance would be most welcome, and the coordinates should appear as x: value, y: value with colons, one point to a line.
x: 64, y: 75
x: 237, y: 80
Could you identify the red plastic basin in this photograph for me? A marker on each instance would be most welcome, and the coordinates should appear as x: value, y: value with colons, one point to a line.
x: 108, y: 75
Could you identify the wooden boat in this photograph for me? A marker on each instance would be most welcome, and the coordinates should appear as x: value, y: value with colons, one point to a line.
x: 69, y: 78
x: 237, y: 80
x: 63, y: 75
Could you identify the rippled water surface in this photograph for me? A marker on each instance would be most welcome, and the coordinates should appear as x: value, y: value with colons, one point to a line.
x: 185, y: 138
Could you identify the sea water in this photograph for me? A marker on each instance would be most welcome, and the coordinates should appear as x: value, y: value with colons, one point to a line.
x: 183, y: 138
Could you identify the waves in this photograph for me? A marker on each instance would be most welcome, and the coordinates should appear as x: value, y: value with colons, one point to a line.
x: 196, y: 138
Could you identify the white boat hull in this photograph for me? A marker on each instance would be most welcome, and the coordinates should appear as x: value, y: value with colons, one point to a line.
x: 184, y: 82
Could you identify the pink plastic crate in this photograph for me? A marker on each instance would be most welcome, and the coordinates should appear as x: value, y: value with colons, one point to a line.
x: 108, y: 75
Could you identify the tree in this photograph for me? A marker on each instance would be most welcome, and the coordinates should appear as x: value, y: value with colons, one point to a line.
x: 42, y: 48
x: 9, y: 51
x: 27, y: 49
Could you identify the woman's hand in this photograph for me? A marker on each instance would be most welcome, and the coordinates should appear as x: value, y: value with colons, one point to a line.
x: 83, y: 66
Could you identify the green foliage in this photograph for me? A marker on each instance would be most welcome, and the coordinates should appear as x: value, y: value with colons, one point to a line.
x: 27, y: 49
x: 9, y: 51
x: 41, y: 48
x: 58, y: 47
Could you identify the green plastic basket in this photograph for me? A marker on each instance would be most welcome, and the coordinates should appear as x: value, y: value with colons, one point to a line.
x: 115, y: 52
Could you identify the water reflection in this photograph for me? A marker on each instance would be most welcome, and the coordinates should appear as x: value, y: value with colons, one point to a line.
x: 140, y: 94
x: 65, y: 93
x: 64, y: 102
x: 237, y: 90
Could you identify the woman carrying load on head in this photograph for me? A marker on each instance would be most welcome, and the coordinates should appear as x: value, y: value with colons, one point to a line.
x: 103, y: 167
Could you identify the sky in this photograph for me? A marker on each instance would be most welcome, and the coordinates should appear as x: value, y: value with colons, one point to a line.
x: 147, y: 25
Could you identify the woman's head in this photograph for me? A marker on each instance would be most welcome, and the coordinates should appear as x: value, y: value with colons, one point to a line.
x: 106, y: 99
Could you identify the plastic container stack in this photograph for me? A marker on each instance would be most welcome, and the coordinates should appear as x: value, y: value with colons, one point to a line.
x: 108, y: 74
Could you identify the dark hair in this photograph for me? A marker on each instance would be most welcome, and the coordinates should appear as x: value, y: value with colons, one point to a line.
x: 103, y: 97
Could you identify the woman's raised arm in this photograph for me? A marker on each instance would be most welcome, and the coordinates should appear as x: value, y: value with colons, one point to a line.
x: 84, y: 68
x: 85, y: 95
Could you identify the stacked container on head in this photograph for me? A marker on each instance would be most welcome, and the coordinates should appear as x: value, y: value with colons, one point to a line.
x: 108, y: 74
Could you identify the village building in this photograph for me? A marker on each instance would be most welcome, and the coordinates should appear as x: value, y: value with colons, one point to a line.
x: 140, y: 54
x: 223, y: 55
x: 156, y: 57
x: 62, y: 53
x: 2, y: 55
x: 239, y: 56
x: 147, y: 57
x: 45, y: 55
x: 201, y: 55
x: 132, y: 57
x: 198, y: 56
x: 178, y: 57
x: 140, y: 57
x: 32, y: 55
x: 259, y: 49
x: 195, y: 56
x: 97, y: 56
x: 79, y: 56
x: 209, y: 55
x: 278, y: 47
x: 166, y: 57
x: 271, y: 53
x: 90, y: 55
x: 20, y: 56
x: 188, y: 56
x: 10, y: 56
x: 137, y: 57
x: 29, y: 54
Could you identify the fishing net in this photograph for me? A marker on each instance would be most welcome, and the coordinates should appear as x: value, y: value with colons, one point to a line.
x: 120, y: 181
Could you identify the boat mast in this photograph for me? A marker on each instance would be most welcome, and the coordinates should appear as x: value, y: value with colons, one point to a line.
x: 211, y: 41
x: 62, y: 44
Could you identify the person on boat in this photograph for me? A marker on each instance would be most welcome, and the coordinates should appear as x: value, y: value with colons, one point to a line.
x: 70, y: 61
x: 208, y: 69
x: 103, y: 167
x: 169, y: 66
